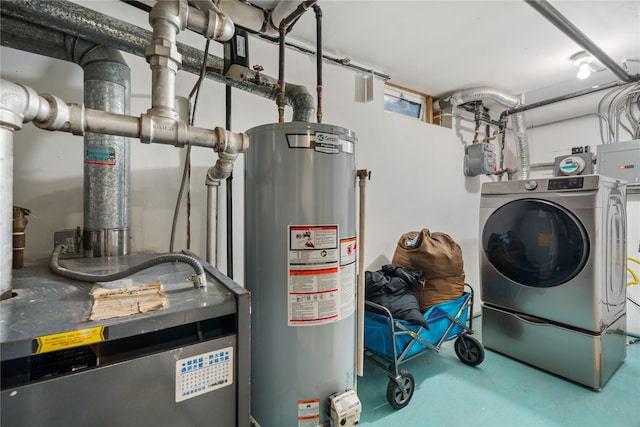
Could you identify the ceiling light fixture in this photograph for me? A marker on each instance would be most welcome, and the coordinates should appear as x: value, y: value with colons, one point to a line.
x: 586, y: 64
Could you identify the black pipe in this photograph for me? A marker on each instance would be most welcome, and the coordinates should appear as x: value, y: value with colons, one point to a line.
x: 318, y: 12
x: 280, y: 97
x: 564, y: 25
x: 229, y: 192
x: 560, y: 98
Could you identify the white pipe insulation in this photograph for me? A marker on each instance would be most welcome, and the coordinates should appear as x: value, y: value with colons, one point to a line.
x: 256, y: 19
x: 483, y: 93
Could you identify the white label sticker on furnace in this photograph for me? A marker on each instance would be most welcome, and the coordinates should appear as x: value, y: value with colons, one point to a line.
x: 203, y: 373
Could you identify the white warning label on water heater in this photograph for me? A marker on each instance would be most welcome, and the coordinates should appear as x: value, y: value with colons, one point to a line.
x: 314, y: 275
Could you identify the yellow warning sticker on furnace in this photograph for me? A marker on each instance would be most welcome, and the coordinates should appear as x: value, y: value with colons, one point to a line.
x: 71, y: 339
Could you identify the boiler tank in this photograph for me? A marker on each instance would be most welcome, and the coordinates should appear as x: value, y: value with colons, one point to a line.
x: 300, y: 262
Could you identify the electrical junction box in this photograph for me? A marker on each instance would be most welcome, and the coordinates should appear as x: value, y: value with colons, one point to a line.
x: 236, y: 56
x: 345, y: 409
x: 574, y: 164
x: 621, y: 160
x: 480, y: 159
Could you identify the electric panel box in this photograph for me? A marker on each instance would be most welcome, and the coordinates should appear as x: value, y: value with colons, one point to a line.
x: 621, y: 160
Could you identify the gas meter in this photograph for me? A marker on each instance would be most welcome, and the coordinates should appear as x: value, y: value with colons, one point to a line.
x: 479, y: 159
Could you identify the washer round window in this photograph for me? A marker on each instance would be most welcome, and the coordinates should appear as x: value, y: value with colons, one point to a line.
x: 535, y: 243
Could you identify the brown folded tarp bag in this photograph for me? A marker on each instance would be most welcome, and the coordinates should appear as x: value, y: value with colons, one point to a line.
x: 440, y: 259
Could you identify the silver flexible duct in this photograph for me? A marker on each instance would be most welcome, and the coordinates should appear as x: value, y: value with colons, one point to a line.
x: 87, y: 24
x: 487, y: 93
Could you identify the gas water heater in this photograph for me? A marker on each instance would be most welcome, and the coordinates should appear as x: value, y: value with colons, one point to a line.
x: 300, y: 261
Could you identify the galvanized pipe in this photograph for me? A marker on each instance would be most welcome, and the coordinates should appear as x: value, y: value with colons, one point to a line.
x: 107, y: 87
x: 106, y: 162
x: 213, y: 185
x: 87, y: 24
x: 564, y: 25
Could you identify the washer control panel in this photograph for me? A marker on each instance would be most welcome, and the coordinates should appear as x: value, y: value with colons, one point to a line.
x: 566, y: 183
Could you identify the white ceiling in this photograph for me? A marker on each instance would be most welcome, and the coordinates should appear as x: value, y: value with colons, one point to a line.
x: 437, y: 47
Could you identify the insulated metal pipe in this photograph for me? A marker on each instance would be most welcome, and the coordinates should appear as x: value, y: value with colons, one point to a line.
x: 18, y: 104
x: 6, y: 209
x: 87, y: 24
x: 564, y: 25
x: 212, y: 219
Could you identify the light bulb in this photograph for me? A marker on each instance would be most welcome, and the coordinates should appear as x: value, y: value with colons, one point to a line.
x: 584, y: 71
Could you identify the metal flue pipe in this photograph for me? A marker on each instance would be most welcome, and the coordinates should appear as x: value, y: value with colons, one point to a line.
x: 106, y: 161
x: 564, y: 25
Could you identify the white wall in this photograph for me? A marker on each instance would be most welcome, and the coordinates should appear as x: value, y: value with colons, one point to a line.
x: 417, y: 180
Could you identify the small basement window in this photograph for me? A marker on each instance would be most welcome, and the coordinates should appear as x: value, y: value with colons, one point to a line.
x: 406, y: 102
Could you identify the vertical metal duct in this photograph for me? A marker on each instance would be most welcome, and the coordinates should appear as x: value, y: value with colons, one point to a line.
x: 106, y: 157
x: 107, y: 88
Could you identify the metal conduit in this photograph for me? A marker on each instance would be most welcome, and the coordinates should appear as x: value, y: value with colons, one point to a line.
x: 564, y: 25
x: 87, y: 24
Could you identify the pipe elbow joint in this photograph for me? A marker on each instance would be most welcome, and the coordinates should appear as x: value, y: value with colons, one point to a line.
x: 18, y: 104
x: 175, y: 12
x: 219, y: 26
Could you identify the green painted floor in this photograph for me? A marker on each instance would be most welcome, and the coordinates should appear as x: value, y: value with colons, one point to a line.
x: 500, y: 392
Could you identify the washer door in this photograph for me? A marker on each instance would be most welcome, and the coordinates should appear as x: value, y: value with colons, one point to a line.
x: 535, y: 243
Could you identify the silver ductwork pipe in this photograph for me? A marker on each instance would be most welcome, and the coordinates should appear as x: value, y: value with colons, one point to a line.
x: 107, y: 87
x: 483, y: 93
x: 87, y: 24
x: 106, y: 161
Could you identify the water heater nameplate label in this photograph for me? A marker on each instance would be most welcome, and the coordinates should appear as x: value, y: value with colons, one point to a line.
x: 203, y: 373
x: 327, y: 143
x: 321, y: 142
x: 314, y: 275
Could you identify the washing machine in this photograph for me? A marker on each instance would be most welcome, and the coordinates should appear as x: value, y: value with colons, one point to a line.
x: 552, y: 269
